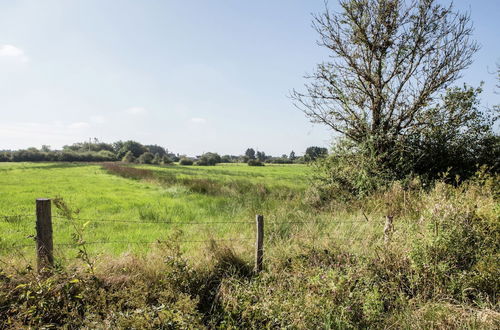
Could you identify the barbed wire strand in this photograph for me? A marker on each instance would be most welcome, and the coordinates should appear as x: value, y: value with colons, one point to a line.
x: 211, y: 222
x: 131, y: 242
x: 154, y: 242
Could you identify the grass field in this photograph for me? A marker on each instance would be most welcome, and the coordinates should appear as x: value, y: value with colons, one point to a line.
x: 105, y: 201
x: 119, y: 212
x: 324, y: 267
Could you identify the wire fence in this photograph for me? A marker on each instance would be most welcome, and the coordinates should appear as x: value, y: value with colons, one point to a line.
x: 43, y: 238
x: 62, y: 219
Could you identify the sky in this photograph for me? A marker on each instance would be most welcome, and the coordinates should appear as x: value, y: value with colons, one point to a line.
x: 192, y: 76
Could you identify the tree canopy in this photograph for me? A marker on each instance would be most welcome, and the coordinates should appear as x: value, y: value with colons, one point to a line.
x: 388, y: 61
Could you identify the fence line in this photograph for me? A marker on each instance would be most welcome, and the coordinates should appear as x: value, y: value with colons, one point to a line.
x: 156, y: 242
x: 189, y: 222
x: 214, y: 222
x: 45, y: 245
x: 158, y: 222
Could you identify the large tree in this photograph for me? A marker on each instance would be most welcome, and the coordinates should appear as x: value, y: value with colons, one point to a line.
x: 388, y: 61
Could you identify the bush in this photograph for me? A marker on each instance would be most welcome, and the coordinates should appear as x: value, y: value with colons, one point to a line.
x: 349, y: 172
x: 134, y: 147
x: 255, y: 162
x: 129, y: 157
x: 145, y: 158
x: 106, y: 154
x: 209, y: 159
x: 157, y: 160
x: 185, y: 161
x: 165, y: 160
x: 29, y: 155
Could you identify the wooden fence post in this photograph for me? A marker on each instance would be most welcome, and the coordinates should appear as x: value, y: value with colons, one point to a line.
x: 259, y: 243
x: 44, y: 244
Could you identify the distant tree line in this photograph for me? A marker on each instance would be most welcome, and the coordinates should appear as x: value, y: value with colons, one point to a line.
x: 93, y: 151
x: 135, y: 152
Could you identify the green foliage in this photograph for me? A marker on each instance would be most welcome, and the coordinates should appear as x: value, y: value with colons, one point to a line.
x: 255, y: 162
x: 129, y: 157
x: 134, y: 147
x: 261, y: 156
x: 314, y: 153
x: 95, y: 145
x: 155, y: 149
x: 185, y: 161
x: 350, y: 171
x: 209, y: 159
x: 458, y: 256
x: 165, y: 160
x: 157, y: 160
x: 226, y: 159
x: 456, y: 137
x: 4, y: 157
x: 250, y: 153
x: 145, y: 158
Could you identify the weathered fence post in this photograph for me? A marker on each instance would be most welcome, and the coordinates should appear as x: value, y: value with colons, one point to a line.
x: 388, y: 229
x: 259, y: 243
x: 44, y: 244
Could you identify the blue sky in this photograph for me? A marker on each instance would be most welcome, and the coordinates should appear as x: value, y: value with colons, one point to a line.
x: 192, y: 76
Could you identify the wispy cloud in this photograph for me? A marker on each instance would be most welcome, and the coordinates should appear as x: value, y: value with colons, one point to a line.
x: 10, y: 51
x: 136, y: 111
x: 198, y: 120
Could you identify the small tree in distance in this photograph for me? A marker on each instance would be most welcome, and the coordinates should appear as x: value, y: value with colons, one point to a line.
x: 313, y: 153
x: 250, y: 153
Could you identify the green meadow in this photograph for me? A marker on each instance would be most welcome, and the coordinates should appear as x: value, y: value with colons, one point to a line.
x: 190, y: 205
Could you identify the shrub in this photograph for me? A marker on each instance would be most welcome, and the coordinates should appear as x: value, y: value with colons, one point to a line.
x: 185, y: 161
x: 157, y: 160
x: 145, y: 158
x: 155, y: 149
x: 136, y: 148
x: 106, y: 154
x: 165, y: 160
x: 29, y: 155
x: 129, y: 157
x: 349, y: 172
x: 255, y: 162
x: 209, y: 159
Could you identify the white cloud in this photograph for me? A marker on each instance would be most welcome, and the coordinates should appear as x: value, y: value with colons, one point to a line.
x: 10, y: 51
x: 136, y: 111
x: 198, y: 120
x: 97, y: 119
x: 78, y: 125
